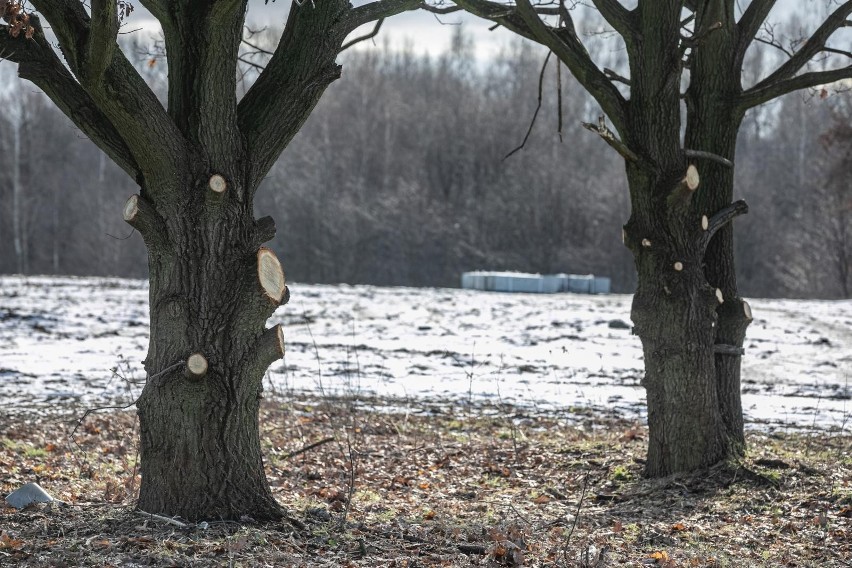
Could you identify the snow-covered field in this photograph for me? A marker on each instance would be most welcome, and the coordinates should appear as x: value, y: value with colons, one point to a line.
x: 60, y: 338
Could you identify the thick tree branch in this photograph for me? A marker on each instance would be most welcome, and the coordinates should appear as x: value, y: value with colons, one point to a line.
x: 620, y: 18
x: 379, y: 10
x: 121, y: 95
x: 202, y: 89
x: 39, y: 64
x: 749, y: 24
x: 101, y: 41
x: 295, y: 77
x: 719, y: 220
x: 811, y: 47
x: 571, y: 51
x: 158, y: 8
x: 758, y: 95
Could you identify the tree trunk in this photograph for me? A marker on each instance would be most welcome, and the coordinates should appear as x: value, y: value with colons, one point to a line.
x: 212, y: 290
x: 674, y: 312
x: 712, y: 126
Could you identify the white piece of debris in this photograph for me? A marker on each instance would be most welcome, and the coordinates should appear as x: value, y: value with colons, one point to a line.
x: 27, y: 495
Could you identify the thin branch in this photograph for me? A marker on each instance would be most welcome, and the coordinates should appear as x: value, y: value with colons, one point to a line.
x: 287, y: 90
x: 708, y: 156
x: 537, y: 107
x: 256, y: 47
x: 577, y: 513
x: 610, y: 138
x: 559, y: 118
x: 613, y: 76
x: 570, y: 50
x: 364, y: 37
x: 757, y: 96
x: 837, y: 51
x: 564, y: 43
x: 168, y: 520
x: 700, y: 35
x: 245, y: 60
x: 308, y: 448
x: 769, y: 31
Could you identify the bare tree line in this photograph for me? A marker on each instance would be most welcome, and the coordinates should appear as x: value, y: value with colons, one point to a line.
x: 398, y: 178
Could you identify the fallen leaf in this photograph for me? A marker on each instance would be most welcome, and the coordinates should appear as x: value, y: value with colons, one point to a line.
x: 541, y: 499
x: 678, y: 527
x: 7, y: 541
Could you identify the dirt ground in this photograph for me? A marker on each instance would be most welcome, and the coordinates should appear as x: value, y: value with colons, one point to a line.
x: 454, y: 486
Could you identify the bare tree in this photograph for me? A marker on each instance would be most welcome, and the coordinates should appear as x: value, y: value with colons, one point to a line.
x: 678, y: 148
x: 198, y: 164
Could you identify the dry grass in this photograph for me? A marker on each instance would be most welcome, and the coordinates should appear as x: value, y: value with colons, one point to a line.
x: 490, y: 487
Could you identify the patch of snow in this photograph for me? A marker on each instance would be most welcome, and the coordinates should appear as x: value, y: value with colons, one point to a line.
x: 61, y: 337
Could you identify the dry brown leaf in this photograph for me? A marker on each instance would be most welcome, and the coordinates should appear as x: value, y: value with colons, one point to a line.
x: 7, y: 542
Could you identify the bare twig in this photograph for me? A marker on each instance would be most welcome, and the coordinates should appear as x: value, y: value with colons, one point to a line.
x: 308, y: 448
x: 364, y: 37
x: 125, y: 407
x: 537, y: 108
x: 168, y: 520
x: 610, y: 138
x: 577, y: 514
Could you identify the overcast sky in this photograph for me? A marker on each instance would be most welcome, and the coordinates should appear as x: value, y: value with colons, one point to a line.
x: 427, y: 33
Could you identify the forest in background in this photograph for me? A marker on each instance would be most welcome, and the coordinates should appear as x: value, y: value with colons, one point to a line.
x: 399, y: 178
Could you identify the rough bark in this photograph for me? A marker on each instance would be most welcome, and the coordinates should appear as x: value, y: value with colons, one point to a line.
x: 713, y: 123
x: 200, y: 448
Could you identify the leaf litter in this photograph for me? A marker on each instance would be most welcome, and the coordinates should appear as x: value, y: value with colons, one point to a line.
x: 449, y: 486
